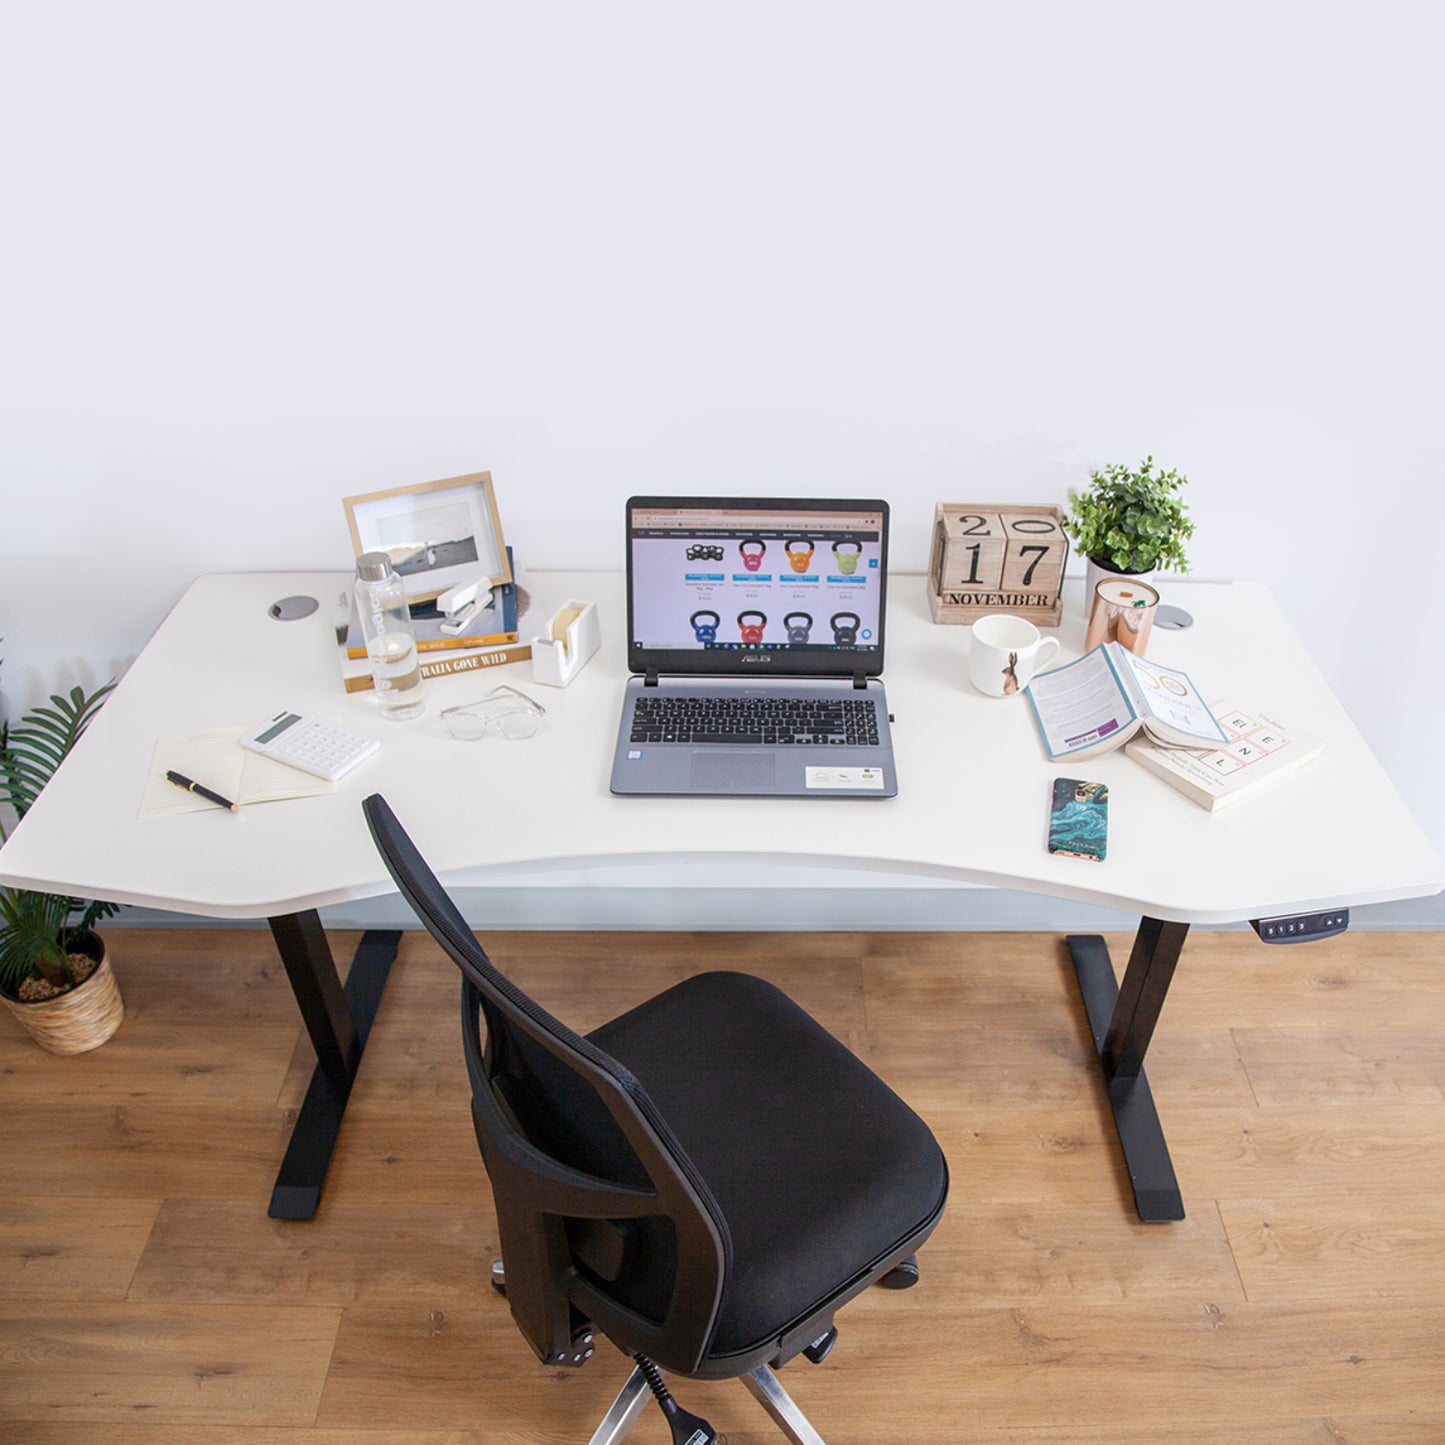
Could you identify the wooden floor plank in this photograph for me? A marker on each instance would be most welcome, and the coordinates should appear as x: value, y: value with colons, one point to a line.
x: 1329, y: 1248
x: 1026, y: 1252
x: 208, y: 975
x: 354, y: 1250
x: 1372, y: 1150
x: 67, y: 1249
x: 171, y: 1364
x: 1291, y: 1066
x: 1169, y: 1362
x: 25, y: 1432
x: 153, y: 1058
x: 143, y: 1148
x: 1355, y: 980
x: 1337, y: 1430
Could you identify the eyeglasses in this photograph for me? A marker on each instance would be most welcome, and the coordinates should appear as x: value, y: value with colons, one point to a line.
x: 511, y: 713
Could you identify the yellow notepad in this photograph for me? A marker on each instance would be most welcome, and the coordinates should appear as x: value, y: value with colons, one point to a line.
x: 216, y: 759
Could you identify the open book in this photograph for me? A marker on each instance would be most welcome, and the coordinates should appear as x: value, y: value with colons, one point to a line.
x: 1108, y: 695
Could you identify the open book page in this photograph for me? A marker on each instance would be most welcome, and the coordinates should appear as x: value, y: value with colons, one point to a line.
x: 217, y: 759
x: 1174, y: 714
x: 1082, y: 708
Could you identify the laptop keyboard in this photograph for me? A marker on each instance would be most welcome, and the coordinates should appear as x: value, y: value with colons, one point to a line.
x: 742, y: 720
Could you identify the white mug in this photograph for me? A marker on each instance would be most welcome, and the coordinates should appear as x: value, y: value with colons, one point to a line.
x: 1005, y: 653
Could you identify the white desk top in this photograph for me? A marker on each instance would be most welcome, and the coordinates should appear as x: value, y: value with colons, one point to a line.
x: 973, y: 798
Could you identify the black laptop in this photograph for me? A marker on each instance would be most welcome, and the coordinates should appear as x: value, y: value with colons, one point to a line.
x: 755, y: 640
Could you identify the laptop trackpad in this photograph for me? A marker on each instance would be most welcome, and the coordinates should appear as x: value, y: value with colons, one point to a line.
x: 732, y: 772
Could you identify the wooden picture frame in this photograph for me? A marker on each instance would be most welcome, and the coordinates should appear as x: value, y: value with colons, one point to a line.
x: 437, y: 534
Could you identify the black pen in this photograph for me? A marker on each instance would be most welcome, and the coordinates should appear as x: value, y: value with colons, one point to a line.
x: 181, y: 781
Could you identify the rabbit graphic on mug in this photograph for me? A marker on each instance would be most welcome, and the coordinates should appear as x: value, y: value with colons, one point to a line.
x: 1004, y: 653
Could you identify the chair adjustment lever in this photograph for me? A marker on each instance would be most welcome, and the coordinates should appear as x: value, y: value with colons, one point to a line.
x: 817, y: 1352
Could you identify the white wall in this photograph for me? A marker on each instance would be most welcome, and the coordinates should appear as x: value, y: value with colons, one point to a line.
x: 259, y: 259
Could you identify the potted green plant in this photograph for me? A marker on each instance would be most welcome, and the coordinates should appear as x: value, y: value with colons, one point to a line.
x: 54, y: 975
x: 1131, y: 520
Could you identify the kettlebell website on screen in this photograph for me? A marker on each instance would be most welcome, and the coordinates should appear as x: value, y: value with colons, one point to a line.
x: 728, y: 578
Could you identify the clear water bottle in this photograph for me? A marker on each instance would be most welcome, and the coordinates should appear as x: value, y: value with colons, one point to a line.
x: 390, y: 644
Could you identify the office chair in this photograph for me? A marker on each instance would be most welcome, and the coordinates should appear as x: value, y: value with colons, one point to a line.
x: 705, y: 1180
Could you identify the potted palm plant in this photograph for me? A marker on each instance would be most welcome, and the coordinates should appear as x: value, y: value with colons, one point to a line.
x: 54, y: 975
x: 1131, y: 520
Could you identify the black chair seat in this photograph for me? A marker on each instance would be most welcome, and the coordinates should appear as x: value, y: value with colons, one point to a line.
x: 770, y: 1108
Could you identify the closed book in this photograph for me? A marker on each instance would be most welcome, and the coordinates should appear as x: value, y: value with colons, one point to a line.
x: 356, y: 672
x: 1259, y: 750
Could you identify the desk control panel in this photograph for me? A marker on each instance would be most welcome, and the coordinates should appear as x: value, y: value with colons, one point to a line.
x: 1301, y: 927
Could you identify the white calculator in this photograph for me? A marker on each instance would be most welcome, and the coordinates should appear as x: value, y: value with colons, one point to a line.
x: 307, y: 743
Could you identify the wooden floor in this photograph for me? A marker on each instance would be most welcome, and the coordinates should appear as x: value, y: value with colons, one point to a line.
x: 146, y: 1299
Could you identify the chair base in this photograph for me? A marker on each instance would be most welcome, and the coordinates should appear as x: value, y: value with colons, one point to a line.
x: 765, y: 1387
x: 762, y: 1384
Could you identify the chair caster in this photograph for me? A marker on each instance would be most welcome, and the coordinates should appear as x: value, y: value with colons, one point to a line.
x: 499, y: 1277
x: 903, y: 1275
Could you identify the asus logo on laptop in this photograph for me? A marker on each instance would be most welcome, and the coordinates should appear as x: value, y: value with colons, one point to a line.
x: 755, y: 657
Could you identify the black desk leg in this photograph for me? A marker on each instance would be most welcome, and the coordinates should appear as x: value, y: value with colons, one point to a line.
x: 1122, y: 1020
x: 338, y: 1019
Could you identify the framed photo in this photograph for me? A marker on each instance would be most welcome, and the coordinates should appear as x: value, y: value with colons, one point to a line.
x: 437, y: 534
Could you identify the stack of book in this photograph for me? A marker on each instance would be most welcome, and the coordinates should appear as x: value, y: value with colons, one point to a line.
x: 490, y: 637
x: 1259, y: 749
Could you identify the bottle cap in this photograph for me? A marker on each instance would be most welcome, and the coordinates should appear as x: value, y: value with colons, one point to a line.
x: 373, y: 566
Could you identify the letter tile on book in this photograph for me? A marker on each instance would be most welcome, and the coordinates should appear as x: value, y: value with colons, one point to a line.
x: 1259, y: 750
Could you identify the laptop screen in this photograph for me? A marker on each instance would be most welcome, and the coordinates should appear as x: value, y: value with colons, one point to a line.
x: 741, y: 585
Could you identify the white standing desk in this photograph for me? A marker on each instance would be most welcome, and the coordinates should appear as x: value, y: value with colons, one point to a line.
x: 972, y: 807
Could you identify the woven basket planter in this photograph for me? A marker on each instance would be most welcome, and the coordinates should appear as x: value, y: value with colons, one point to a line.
x: 81, y: 1019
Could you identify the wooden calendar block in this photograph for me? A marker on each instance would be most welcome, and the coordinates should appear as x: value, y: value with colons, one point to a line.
x: 997, y: 559
x: 1037, y: 549
x: 973, y: 547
